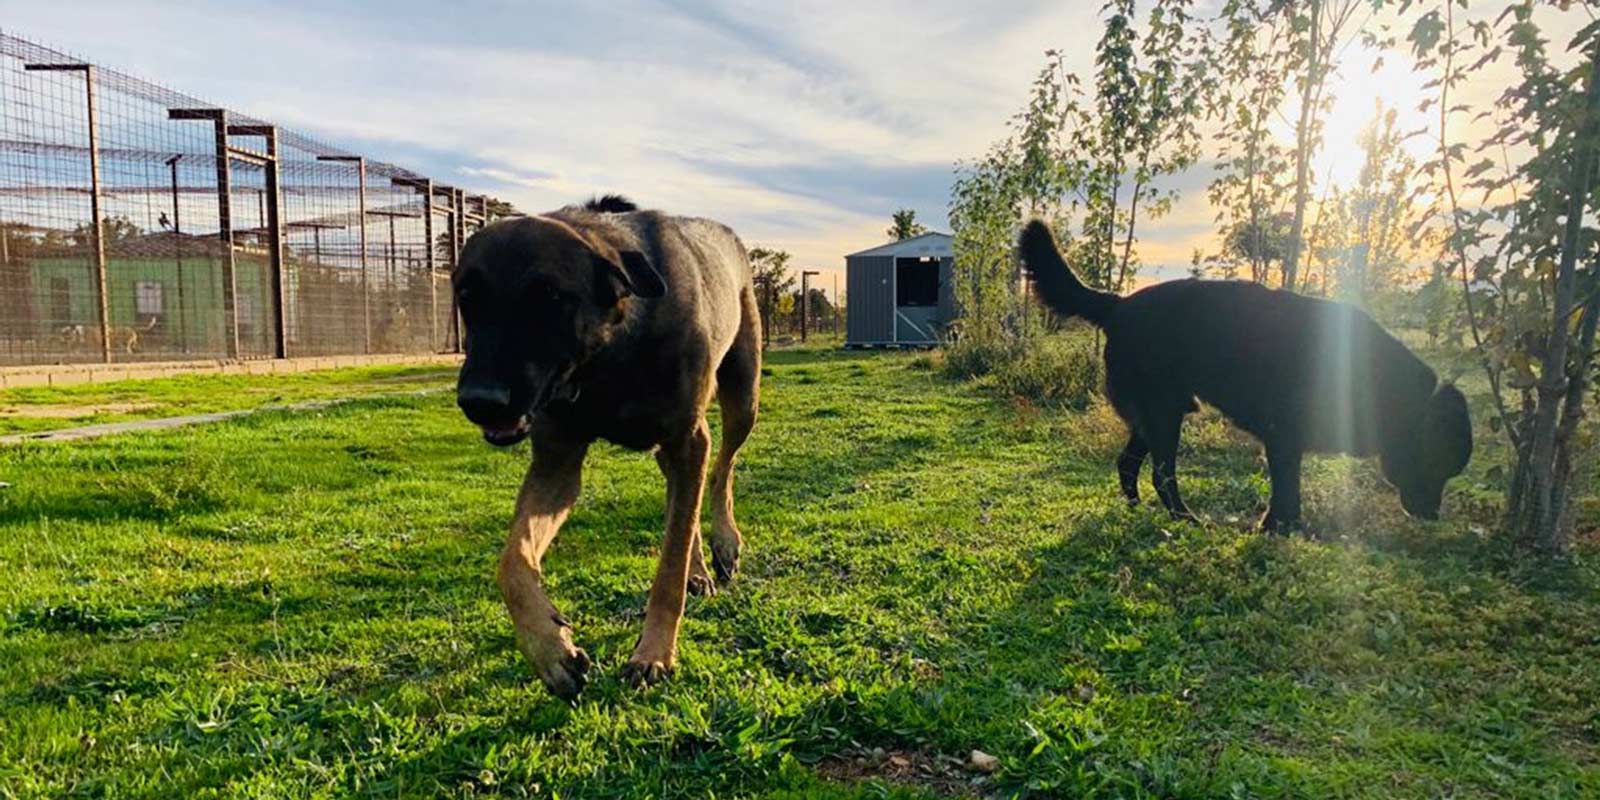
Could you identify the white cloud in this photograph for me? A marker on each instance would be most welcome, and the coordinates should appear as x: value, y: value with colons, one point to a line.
x: 690, y: 107
x: 791, y: 122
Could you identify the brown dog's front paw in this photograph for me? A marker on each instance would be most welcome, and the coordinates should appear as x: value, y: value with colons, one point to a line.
x: 640, y: 674
x: 702, y: 585
x: 563, y: 668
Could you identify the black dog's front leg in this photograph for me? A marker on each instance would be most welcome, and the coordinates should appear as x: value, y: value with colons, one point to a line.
x: 1283, y: 510
x: 1160, y: 432
x: 1128, y: 465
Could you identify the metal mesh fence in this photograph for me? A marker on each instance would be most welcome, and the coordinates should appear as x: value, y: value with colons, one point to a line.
x: 140, y: 224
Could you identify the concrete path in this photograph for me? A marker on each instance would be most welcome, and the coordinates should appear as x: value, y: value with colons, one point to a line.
x: 139, y: 425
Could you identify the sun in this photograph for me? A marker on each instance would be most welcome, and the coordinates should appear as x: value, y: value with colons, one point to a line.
x: 1366, y: 82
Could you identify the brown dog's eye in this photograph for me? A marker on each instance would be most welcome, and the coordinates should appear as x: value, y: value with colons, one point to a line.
x: 544, y: 296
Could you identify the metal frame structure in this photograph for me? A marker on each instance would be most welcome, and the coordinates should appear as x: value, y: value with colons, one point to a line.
x: 97, y: 220
x: 160, y: 200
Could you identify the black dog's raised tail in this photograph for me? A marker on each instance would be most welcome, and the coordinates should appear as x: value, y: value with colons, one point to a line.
x: 610, y: 204
x: 1055, y: 283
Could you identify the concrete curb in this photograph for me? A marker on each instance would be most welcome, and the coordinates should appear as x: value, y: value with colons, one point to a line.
x: 164, y: 423
x: 70, y: 374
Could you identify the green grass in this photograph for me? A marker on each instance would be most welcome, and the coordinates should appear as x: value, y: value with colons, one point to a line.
x: 34, y: 409
x: 302, y: 605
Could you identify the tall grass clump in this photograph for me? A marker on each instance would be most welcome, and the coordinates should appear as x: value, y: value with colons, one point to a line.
x: 1053, y: 369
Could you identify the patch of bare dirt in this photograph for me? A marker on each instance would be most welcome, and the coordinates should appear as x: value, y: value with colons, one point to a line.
x: 946, y: 776
x: 73, y: 412
x: 422, y: 377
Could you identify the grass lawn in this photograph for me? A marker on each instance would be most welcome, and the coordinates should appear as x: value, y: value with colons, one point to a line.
x: 302, y: 605
x: 34, y: 409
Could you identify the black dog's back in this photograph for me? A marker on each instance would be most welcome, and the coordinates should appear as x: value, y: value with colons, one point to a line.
x: 1318, y: 374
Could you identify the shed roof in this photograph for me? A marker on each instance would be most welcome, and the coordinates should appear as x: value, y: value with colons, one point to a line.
x: 932, y: 243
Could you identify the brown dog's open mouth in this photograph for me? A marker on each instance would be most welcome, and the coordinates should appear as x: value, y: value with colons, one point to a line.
x: 506, y: 435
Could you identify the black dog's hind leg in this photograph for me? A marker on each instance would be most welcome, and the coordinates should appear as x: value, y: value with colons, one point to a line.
x: 1128, y: 465
x: 1160, y: 431
x: 1283, y: 510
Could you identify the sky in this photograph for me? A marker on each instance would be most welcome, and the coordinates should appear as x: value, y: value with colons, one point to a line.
x: 803, y: 125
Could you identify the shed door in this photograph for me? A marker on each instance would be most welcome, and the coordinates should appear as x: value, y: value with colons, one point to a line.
x: 870, y: 283
x: 917, y: 284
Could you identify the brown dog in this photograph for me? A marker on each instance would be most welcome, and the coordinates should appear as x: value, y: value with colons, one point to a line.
x: 605, y: 322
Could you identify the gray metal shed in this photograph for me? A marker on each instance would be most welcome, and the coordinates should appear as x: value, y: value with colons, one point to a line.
x: 900, y: 293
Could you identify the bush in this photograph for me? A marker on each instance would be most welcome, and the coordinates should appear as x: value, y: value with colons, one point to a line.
x: 969, y: 358
x: 1063, y: 369
x: 1056, y: 370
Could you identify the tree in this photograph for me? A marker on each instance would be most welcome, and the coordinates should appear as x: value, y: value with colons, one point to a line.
x: 1138, y: 127
x: 773, y: 282
x: 1258, y: 242
x: 1254, y: 64
x: 115, y: 229
x: 1089, y: 160
x: 819, y: 308
x: 905, y: 225
x: 1318, y: 28
x: 984, y: 209
x: 1380, y: 207
x: 1527, y: 264
x: 1367, y: 238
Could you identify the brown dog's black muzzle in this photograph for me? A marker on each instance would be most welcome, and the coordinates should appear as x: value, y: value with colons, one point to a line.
x: 484, y: 405
x: 491, y: 410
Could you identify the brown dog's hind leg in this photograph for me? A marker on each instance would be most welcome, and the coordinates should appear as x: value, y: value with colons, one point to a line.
x: 739, y: 395
x: 543, y: 636
x: 684, y: 461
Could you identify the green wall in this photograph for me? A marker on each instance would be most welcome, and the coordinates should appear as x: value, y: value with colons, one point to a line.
x: 195, y: 322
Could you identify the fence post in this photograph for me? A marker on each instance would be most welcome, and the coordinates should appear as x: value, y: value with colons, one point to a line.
x: 361, y: 204
x: 433, y: 284
x: 805, y: 302
x: 177, y: 255
x: 230, y: 286
x: 274, y: 225
x: 96, y: 223
x: 458, y: 230
x: 424, y: 187
x: 366, y: 280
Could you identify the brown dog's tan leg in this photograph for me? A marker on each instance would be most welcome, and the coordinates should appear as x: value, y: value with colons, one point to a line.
x: 700, y: 580
x: 684, y: 462
x: 543, y: 636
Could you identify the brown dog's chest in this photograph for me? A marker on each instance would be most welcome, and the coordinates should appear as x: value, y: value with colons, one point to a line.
x: 636, y: 420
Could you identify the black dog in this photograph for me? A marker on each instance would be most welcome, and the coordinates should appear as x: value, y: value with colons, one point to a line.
x: 1300, y: 374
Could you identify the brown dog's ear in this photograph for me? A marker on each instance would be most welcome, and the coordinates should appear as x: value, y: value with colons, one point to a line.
x: 643, y: 280
x: 634, y: 274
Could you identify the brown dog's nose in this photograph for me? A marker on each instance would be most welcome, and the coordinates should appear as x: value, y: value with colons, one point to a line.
x: 484, y: 405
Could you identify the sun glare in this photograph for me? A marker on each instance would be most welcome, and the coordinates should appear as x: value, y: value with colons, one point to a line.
x: 1366, y: 81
